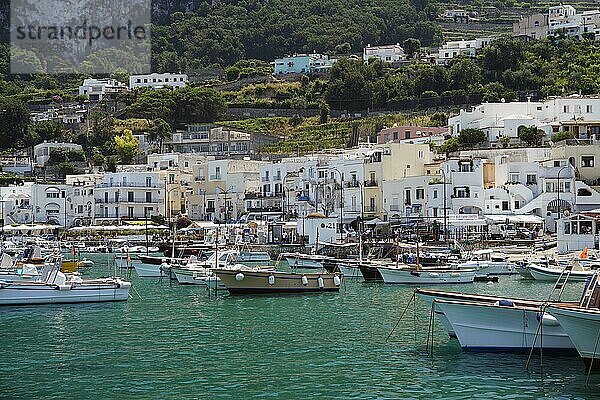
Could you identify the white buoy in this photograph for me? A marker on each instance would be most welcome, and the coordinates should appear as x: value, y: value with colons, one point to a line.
x: 271, y: 280
x: 434, y: 274
x: 239, y: 276
x: 321, y: 283
x: 549, y: 320
x: 304, y: 280
x: 337, y: 281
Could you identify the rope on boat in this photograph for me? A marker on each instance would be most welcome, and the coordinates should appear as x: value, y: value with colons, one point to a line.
x: 136, y: 292
x: 412, y: 299
x: 587, y: 378
x: 538, y: 332
x: 430, y: 329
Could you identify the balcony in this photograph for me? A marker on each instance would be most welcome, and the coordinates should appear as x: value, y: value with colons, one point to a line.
x: 394, y: 207
x: 265, y: 179
x: 124, y: 201
x: 370, y: 209
x: 129, y: 185
x: 371, y: 183
x: 351, y: 184
x: 215, y: 177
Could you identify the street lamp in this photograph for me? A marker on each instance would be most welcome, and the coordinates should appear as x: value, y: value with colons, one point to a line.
x: 225, y: 192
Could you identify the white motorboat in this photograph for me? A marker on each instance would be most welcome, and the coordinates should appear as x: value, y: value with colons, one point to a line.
x: 195, y: 272
x: 582, y: 322
x: 301, y: 260
x: 431, y: 295
x: 152, y: 270
x: 546, y: 273
x: 486, y: 262
x: 54, y: 287
x: 503, y: 326
x: 411, y: 275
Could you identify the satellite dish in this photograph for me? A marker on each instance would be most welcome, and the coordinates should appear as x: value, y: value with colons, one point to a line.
x: 566, y: 213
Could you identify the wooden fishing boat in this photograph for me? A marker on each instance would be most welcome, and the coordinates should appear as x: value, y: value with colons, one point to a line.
x: 257, y: 281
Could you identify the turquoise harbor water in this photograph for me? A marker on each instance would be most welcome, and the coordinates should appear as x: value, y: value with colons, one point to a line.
x: 177, y: 343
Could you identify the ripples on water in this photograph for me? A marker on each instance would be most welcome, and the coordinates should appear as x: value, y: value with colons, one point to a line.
x: 177, y: 343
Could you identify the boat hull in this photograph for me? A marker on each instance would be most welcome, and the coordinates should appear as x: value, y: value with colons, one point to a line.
x: 370, y: 274
x: 490, y: 327
x: 189, y: 276
x: 490, y: 267
x: 255, y: 282
x: 583, y: 327
x: 409, y: 276
x: 552, y: 274
x: 150, y: 271
x: 31, y: 293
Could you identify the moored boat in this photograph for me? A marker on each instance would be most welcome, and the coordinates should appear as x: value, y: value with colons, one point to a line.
x: 54, y: 287
x: 544, y: 273
x: 503, y: 326
x: 486, y: 262
x: 256, y: 281
x: 406, y: 274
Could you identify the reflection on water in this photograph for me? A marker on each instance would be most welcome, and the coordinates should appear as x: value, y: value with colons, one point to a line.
x: 176, y: 342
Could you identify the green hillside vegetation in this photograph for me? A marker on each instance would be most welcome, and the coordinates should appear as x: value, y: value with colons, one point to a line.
x: 302, y: 135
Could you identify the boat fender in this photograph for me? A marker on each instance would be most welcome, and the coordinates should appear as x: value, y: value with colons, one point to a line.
x: 415, y: 273
x: 239, y: 276
x: 434, y: 274
x: 547, y: 319
x: 195, y: 275
x: 271, y: 280
x: 321, y: 283
x: 123, y: 284
x: 337, y: 281
x: 455, y: 274
x: 506, y: 303
x: 62, y: 288
x: 304, y: 280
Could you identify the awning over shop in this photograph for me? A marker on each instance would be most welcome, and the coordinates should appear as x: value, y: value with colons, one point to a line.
x: 515, y: 219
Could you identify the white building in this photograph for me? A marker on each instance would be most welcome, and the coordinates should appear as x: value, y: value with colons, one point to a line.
x: 129, y: 195
x: 100, y: 89
x: 390, y: 53
x: 42, y: 151
x: 158, y: 81
x: 15, y: 203
x: 577, y: 114
x: 469, y: 48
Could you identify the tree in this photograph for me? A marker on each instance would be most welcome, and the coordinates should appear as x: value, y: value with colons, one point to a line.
x: 65, y: 168
x: 411, y: 46
x: 464, y: 73
x: 471, y: 137
x: 449, y: 146
x: 14, y: 121
x: 126, y: 146
x: 324, y: 113
x: 504, y: 141
x: 557, y: 137
x: 159, y: 131
x: 45, y: 131
x: 531, y: 135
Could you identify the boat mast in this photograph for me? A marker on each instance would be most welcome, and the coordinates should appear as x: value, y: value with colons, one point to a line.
x: 417, y: 236
x: 397, y: 246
